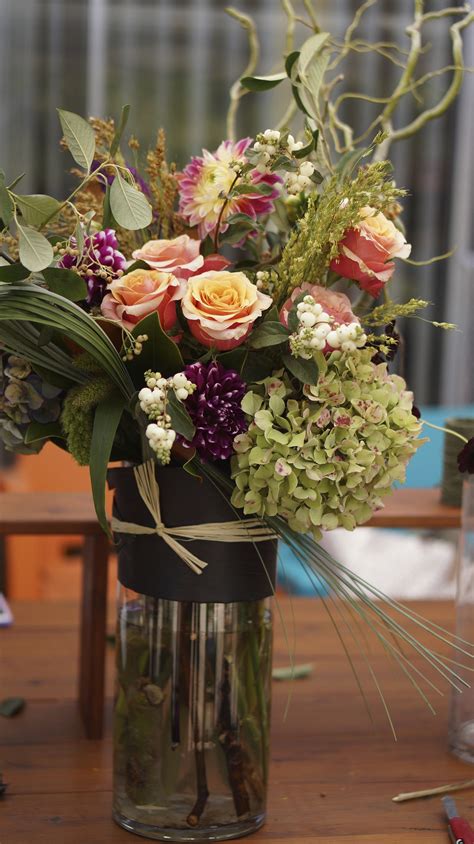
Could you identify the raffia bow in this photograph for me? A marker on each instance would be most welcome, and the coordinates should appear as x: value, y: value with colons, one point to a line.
x: 248, y: 530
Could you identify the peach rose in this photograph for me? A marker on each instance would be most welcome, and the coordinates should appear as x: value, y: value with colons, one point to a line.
x: 179, y: 256
x: 143, y: 292
x: 337, y: 305
x: 367, y: 250
x: 221, y: 307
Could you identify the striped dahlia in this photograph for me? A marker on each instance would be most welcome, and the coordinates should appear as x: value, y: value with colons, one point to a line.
x: 208, y: 177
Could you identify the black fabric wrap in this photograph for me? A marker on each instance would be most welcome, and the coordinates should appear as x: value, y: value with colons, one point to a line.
x: 146, y: 564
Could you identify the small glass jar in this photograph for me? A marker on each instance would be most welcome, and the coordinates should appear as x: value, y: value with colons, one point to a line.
x: 192, y: 717
x: 461, y: 727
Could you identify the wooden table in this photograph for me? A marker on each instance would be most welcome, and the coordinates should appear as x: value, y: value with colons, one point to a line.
x: 70, y: 514
x: 332, y: 774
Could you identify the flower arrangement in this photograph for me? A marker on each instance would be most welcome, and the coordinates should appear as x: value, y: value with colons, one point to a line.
x: 232, y: 317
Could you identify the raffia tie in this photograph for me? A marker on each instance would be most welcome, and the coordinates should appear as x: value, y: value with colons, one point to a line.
x: 248, y: 530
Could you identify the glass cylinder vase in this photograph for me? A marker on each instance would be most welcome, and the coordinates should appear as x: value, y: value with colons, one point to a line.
x: 461, y: 727
x: 193, y: 672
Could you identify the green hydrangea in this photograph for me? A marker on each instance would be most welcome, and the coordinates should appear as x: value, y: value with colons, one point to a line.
x: 325, y: 460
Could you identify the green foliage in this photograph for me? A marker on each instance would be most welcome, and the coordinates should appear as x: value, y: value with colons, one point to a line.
x: 129, y: 206
x: 160, y: 353
x: 315, y: 241
x: 326, y: 460
x: 268, y: 333
x: 6, y: 204
x: 36, y: 252
x: 180, y: 419
x: 37, y: 208
x: 65, y: 283
x: 79, y: 137
x: 77, y: 418
x: 120, y: 130
x: 262, y: 83
x: 107, y: 418
x: 13, y: 272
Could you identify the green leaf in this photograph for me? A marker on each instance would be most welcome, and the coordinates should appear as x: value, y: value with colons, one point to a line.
x: 13, y: 272
x: 36, y: 208
x: 45, y: 336
x: 36, y: 252
x: 11, y: 706
x: 119, y: 131
x: 262, y: 83
x: 305, y: 371
x: 181, y: 421
x: 79, y: 136
x: 107, y: 216
x: 160, y: 353
x: 79, y: 235
x: 137, y: 265
x: 310, y: 50
x: 290, y: 60
x: 304, y: 151
x: 106, y: 421
x: 268, y: 334
x: 235, y: 234
x: 65, y: 283
x: 38, y: 431
x: 233, y: 359
x: 7, y: 207
x: 129, y: 206
x: 261, y: 188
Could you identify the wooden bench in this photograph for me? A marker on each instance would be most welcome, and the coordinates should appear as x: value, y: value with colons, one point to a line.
x: 73, y: 513
x: 69, y: 513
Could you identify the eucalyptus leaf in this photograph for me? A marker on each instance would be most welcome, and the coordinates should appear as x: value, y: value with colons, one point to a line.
x: 7, y: 207
x: 37, y: 208
x: 79, y: 136
x: 65, y: 283
x: 268, y: 334
x: 305, y: 371
x: 181, y: 421
x: 11, y: 706
x: 106, y: 422
x: 129, y: 206
x: 13, y: 272
x: 120, y: 130
x: 262, y: 83
x: 36, y: 252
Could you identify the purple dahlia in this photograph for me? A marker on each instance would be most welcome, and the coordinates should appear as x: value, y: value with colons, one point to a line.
x: 215, y: 409
x: 99, y: 265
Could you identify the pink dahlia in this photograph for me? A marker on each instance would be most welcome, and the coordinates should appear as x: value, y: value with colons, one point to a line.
x: 206, y: 179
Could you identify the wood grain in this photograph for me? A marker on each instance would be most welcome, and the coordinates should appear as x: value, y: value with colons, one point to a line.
x: 73, y: 512
x: 333, y: 774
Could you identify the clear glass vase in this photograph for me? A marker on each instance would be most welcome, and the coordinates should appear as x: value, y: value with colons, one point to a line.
x: 192, y: 717
x: 461, y: 728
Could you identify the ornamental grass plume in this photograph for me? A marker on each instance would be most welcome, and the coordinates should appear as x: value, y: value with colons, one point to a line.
x: 327, y: 460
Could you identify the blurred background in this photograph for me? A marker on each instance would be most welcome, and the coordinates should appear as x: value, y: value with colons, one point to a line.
x: 174, y: 61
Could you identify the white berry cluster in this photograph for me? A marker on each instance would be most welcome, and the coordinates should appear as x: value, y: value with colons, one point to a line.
x: 153, y: 401
x: 318, y: 330
x: 298, y: 180
x: 271, y: 143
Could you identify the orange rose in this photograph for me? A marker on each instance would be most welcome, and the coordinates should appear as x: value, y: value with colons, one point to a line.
x: 179, y: 256
x: 221, y: 307
x: 142, y: 292
x: 367, y: 250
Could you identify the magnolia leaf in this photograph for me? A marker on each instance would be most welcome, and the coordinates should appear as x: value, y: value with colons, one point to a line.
x: 120, y: 130
x: 305, y: 371
x: 37, y: 208
x: 79, y: 136
x: 181, y: 421
x: 159, y: 353
x: 11, y: 706
x: 129, y: 206
x: 36, y: 252
x: 262, y: 83
x: 65, y: 283
x: 38, y: 431
x: 7, y: 207
x: 106, y: 421
x: 13, y: 272
x: 268, y: 334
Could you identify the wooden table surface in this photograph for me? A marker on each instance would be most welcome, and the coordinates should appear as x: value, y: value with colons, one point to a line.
x: 333, y: 774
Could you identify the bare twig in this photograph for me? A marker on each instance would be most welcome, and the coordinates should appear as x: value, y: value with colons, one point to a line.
x: 432, y: 792
x: 237, y: 91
